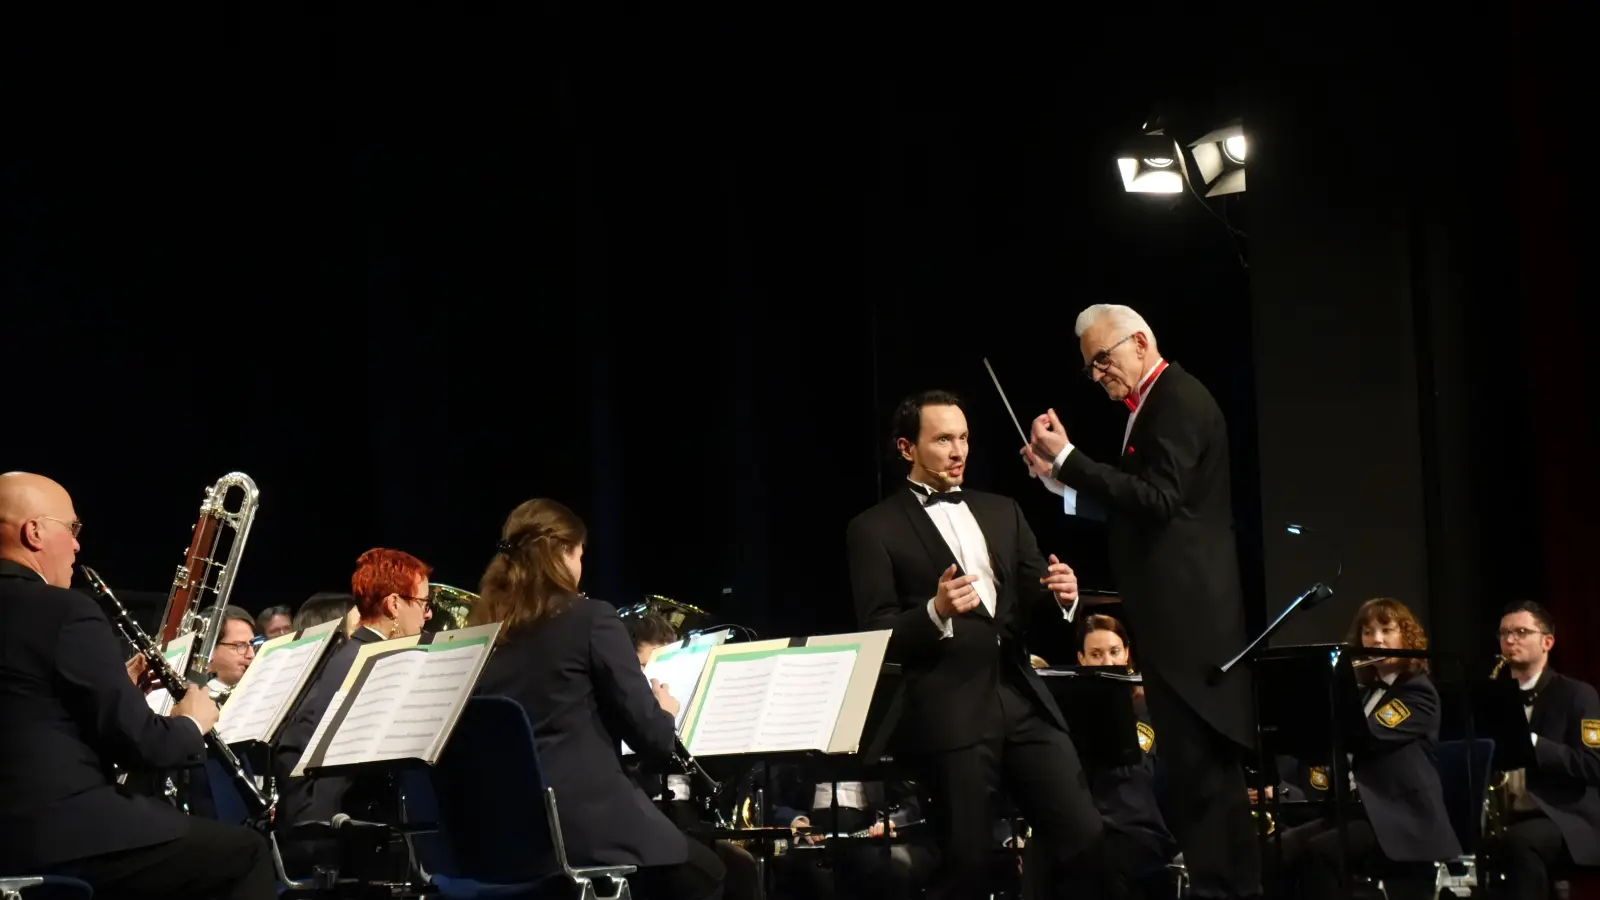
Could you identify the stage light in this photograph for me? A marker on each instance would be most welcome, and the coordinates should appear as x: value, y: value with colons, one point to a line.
x: 1151, y: 164
x: 1219, y: 157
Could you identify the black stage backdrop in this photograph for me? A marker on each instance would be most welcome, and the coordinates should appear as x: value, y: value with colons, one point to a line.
x: 409, y: 269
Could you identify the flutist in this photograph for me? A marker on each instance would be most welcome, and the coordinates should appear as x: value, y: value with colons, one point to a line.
x: 71, y: 710
x: 570, y: 663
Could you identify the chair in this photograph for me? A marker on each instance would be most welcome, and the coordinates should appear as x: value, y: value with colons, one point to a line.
x: 488, y: 789
x: 44, y: 887
x: 1465, y: 768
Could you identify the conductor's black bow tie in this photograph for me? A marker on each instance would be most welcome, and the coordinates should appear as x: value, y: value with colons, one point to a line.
x: 945, y: 497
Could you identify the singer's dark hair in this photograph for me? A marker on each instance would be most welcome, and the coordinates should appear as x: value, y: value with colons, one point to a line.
x: 1541, y: 616
x: 908, y: 416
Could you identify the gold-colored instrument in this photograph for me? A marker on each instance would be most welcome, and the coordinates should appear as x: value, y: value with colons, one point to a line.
x: 209, y: 568
x: 677, y: 613
x: 1272, y: 825
x: 1037, y: 661
x: 450, y: 605
x: 1497, y: 800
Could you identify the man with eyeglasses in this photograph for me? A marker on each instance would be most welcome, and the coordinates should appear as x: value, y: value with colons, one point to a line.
x: 235, y: 650
x: 1555, y: 804
x: 1168, y: 500
x: 71, y: 709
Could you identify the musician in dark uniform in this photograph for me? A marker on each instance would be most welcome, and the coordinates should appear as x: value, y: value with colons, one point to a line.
x: 1170, y: 506
x: 1401, y: 827
x: 568, y: 660
x: 1555, y: 804
x: 391, y: 593
x: 957, y: 576
x: 71, y: 710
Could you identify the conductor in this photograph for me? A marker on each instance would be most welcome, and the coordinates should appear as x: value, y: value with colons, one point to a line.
x: 1172, y: 550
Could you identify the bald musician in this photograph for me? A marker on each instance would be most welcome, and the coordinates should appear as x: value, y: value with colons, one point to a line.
x: 71, y: 710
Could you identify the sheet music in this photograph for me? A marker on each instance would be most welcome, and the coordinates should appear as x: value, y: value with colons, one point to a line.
x: 334, y: 705
x: 259, y: 700
x: 774, y: 702
x: 405, y: 704
x: 731, y: 712
x: 679, y: 666
x: 803, y: 701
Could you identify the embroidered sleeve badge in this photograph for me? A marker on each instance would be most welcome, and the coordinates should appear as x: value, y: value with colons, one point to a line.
x: 1391, y: 714
x: 1319, y: 778
x: 1591, y: 733
x: 1147, y: 737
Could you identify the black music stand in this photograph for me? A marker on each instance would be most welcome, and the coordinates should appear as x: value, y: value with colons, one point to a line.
x: 1097, y: 702
x: 1498, y: 714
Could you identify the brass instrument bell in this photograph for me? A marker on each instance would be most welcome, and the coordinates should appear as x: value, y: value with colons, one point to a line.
x: 450, y: 605
x: 681, y: 616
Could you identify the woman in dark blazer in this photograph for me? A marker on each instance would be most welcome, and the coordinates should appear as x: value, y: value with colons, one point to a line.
x: 570, y: 663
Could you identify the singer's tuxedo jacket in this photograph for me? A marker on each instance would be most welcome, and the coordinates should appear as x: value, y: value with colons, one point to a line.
x: 1172, y: 546
x: 576, y: 675
x: 896, y: 557
x: 70, y: 712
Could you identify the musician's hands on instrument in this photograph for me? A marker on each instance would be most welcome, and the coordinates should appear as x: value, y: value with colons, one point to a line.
x: 956, y: 595
x: 665, y: 699
x: 877, y: 830
x: 1038, y: 466
x: 1061, y: 581
x: 1049, y: 436
x: 1253, y: 793
x: 137, y: 669
x: 198, y: 705
x: 803, y: 822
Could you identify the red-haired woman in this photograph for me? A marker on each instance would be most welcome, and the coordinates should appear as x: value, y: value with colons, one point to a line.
x: 570, y: 663
x: 1401, y: 827
x: 391, y: 593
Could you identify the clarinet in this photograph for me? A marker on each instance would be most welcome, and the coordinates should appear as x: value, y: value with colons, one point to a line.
x: 705, y: 785
x: 175, y: 685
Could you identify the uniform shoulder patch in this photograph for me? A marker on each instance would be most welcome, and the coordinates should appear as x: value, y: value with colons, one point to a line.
x: 1590, y: 731
x: 1391, y: 714
x: 1319, y: 778
x: 1147, y: 737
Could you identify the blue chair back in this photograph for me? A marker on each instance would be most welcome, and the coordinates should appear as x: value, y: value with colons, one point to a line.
x: 489, y: 793
x: 1464, y: 771
x: 225, y: 797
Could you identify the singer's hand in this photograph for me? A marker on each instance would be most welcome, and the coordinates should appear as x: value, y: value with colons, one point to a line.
x: 1038, y: 467
x: 956, y: 595
x: 665, y: 699
x: 1061, y: 581
x: 1049, y: 435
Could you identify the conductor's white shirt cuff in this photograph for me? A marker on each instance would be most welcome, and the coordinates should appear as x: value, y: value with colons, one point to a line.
x: 946, y: 628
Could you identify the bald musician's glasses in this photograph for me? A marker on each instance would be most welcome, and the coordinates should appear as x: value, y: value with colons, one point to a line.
x: 75, y: 526
x: 1102, y: 360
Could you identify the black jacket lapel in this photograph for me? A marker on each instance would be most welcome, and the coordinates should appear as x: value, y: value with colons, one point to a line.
x: 938, y: 550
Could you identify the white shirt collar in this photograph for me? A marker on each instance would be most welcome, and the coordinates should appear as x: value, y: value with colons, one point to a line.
x: 1155, y: 369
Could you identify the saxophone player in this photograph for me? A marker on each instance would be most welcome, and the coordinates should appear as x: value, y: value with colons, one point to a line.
x: 1554, y: 806
x: 71, y: 709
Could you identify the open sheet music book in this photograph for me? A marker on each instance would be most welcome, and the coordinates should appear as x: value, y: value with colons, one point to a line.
x: 177, y: 653
x: 679, y: 666
x: 786, y: 695
x: 261, y: 700
x: 400, y: 700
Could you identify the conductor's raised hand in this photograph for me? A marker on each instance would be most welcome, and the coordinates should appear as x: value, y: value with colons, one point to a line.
x: 1060, y: 580
x: 956, y: 595
x: 1049, y: 436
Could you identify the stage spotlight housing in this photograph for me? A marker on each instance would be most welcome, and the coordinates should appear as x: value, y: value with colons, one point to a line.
x: 1151, y: 164
x: 1220, y: 159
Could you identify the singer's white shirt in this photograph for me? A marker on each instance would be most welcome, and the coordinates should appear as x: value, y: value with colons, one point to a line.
x: 962, y: 534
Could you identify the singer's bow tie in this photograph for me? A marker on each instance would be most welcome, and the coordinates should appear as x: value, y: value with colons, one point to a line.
x: 945, y: 497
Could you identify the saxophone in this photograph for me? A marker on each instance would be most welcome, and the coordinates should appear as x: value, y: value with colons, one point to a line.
x: 1497, y: 800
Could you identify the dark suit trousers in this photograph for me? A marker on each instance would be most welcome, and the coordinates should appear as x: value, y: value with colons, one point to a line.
x: 1039, y: 767
x: 1531, y: 848
x: 1208, y: 800
x: 214, y: 860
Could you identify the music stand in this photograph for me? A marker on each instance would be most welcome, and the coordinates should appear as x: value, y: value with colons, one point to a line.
x: 1097, y: 702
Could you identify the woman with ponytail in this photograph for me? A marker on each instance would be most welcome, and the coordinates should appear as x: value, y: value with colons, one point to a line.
x: 569, y: 661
